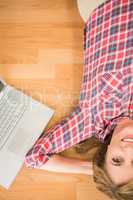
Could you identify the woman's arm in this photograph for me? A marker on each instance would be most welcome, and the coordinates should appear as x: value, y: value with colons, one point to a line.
x: 62, y: 164
x: 62, y: 136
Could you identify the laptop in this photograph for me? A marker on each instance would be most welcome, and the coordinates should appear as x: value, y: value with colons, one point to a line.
x: 22, y: 121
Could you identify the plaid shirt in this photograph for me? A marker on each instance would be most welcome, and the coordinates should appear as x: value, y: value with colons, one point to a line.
x: 107, y: 84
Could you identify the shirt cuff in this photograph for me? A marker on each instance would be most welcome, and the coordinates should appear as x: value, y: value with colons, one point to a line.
x: 33, y: 162
x: 39, y: 154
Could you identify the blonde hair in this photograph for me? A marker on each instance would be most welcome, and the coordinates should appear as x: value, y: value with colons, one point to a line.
x: 103, y: 181
x: 100, y: 176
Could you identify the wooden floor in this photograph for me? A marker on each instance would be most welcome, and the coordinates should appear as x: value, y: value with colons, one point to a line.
x: 41, y: 53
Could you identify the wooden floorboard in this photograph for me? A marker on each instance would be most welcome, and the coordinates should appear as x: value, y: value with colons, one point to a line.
x: 41, y: 53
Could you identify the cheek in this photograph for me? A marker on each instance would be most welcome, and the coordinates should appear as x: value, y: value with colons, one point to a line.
x: 112, y: 151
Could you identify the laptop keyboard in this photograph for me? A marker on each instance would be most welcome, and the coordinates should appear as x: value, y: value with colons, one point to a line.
x: 11, y: 111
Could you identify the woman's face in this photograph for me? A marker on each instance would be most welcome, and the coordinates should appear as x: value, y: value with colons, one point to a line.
x: 119, y: 156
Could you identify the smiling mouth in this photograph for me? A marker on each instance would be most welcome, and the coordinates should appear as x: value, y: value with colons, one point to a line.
x: 128, y: 138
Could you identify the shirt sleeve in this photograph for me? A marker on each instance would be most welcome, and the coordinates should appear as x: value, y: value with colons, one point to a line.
x: 70, y: 131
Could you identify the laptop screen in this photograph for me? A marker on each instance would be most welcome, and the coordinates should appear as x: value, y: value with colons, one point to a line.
x: 1, y: 86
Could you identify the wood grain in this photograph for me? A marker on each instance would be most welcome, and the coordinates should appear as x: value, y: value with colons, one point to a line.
x: 42, y: 54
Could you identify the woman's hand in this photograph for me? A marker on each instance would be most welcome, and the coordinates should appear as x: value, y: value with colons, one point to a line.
x: 87, y: 167
x: 62, y: 164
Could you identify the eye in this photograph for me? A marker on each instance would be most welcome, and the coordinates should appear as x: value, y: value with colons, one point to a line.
x: 117, y: 161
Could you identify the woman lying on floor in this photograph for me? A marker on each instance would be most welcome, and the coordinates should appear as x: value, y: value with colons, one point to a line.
x: 105, y: 109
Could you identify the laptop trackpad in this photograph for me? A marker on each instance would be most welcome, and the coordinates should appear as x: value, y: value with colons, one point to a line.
x: 19, y: 143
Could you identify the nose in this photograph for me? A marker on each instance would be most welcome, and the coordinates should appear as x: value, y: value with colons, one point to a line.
x: 127, y: 146
x: 128, y: 153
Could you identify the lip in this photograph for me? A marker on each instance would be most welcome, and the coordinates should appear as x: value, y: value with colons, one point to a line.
x: 129, y: 142
x: 128, y: 138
